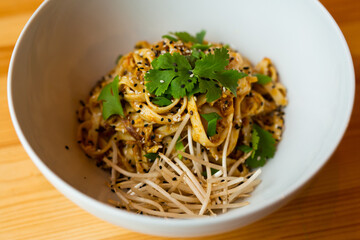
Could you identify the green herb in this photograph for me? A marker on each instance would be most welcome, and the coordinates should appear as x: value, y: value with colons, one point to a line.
x: 180, y: 147
x: 169, y: 37
x: 264, y: 147
x: 201, y: 46
x: 181, y: 76
x: 212, y: 170
x: 170, y: 71
x: 200, y: 36
x: 118, y: 58
x: 111, y: 100
x: 255, y: 139
x: 244, y: 148
x: 263, y: 79
x: 186, y: 37
x: 226, y: 46
x: 161, y: 101
x: 212, y: 66
x: 152, y: 156
x: 211, y: 119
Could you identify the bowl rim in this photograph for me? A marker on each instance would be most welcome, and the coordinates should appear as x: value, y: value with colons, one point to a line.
x: 78, y: 197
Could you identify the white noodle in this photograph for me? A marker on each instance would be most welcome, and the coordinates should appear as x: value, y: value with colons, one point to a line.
x: 177, y: 134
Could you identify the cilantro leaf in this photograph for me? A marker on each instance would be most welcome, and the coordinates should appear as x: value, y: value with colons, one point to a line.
x: 200, y: 36
x: 201, y: 46
x: 211, y: 118
x: 212, y: 66
x: 170, y: 70
x: 161, y: 101
x: 210, y: 63
x: 158, y: 81
x: 244, y: 148
x: 169, y: 37
x: 263, y: 79
x: 152, y: 156
x: 118, y: 58
x: 185, y: 36
x: 255, y: 140
x: 111, y: 100
x: 195, y: 55
x: 265, y: 147
x: 180, y: 147
x: 229, y: 79
x: 211, y: 87
x: 212, y: 170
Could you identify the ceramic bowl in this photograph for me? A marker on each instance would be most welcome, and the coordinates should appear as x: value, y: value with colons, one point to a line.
x: 68, y: 45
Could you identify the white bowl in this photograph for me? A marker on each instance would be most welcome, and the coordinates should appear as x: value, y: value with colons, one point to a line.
x: 68, y: 45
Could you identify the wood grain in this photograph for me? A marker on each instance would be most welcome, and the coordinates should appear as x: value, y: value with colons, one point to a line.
x: 30, y: 208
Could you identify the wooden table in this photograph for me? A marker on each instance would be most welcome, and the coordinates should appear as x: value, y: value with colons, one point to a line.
x: 31, y: 208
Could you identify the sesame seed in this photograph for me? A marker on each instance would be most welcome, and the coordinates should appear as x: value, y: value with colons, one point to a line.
x: 160, y: 167
x: 174, y: 179
x: 185, y: 111
x: 138, y: 111
x: 132, y: 122
x: 191, y: 112
x: 175, y: 64
x: 162, y: 119
x: 140, y: 106
x: 66, y: 147
x: 176, y: 70
x: 162, y: 81
x: 183, y: 85
x: 169, y: 120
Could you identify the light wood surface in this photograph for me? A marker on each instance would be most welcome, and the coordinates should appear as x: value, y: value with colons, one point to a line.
x: 31, y: 208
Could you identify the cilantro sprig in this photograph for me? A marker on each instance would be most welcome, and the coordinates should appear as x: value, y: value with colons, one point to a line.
x: 186, y: 37
x: 263, y: 79
x: 262, y: 145
x: 211, y: 119
x: 179, y: 146
x: 111, y: 100
x: 162, y: 101
x: 212, y: 171
x: 151, y: 156
x: 180, y: 76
